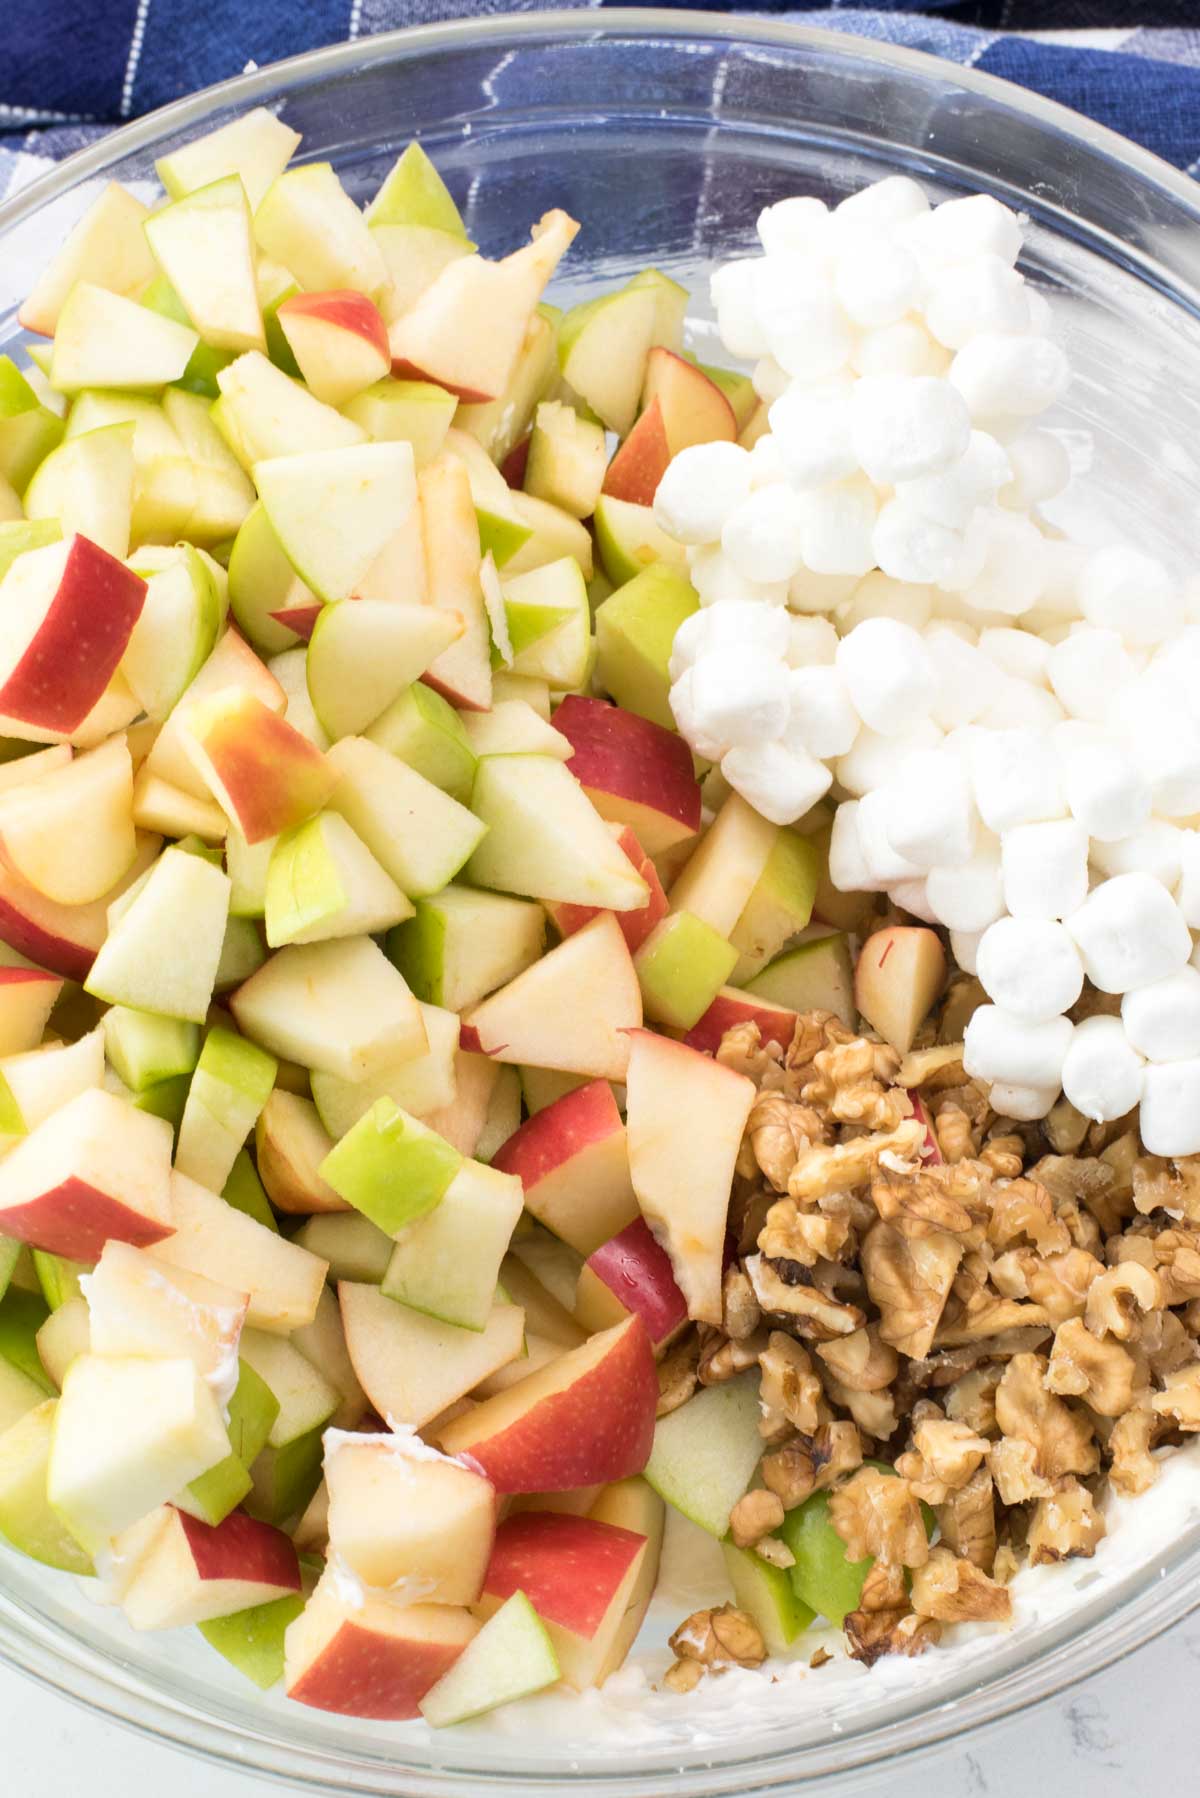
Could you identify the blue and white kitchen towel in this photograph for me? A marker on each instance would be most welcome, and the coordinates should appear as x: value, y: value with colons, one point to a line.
x: 73, y: 69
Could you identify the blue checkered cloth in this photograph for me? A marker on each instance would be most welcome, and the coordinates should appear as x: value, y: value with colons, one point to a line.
x: 77, y: 68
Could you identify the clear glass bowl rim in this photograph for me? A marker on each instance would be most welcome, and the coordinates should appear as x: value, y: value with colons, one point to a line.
x: 1079, y: 1646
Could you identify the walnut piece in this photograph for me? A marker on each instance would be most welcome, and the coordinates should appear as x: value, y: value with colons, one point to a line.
x: 1119, y: 1298
x: 820, y: 1170
x: 720, y: 1638
x: 949, y: 1198
x: 779, y: 1131
x: 1065, y: 1525
x: 967, y: 1520
x: 812, y: 1315
x: 877, y: 1514
x: 944, y: 1456
x: 909, y: 1279
x: 790, y: 1392
x: 806, y: 1237
x: 754, y: 1516
x: 872, y: 1634
x: 863, y: 1362
x: 1061, y: 1438
x: 740, y: 1315
x: 1013, y: 1465
x: 678, y: 1376
x: 954, y: 1590
x: 1130, y: 1440
x: 1100, y: 1373
x: 1180, y: 1398
x: 810, y: 1464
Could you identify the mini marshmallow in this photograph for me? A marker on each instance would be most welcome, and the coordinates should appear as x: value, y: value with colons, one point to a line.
x: 877, y: 283
x: 763, y: 536
x: 964, y: 945
x: 1162, y: 1020
x: 888, y: 674
x: 740, y: 698
x: 1017, y: 705
x: 1087, y: 670
x: 1122, y: 590
x: 1061, y: 565
x: 1170, y: 1109
x: 1105, y: 791
x: 716, y: 578
x: 911, y: 896
x: 896, y: 200
x: 884, y: 866
x: 960, y: 230
x: 1041, y: 468
x: 811, y: 592
x: 780, y: 782
x: 838, y: 527
x: 1045, y: 869
x: 683, y: 706
x: 811, y: 428
x: 732, y: 291
x: 930, y: 813
x: 912, y: 548
x: 985, y: 294
x: 847, y: 864
x: 800, y: 223
x: 821, y: 719
x: 966, y: 681
x: 906, y: 426
x: 805, y: 330
x: 703, y: 486
x: 875, y: 759
x: 1130, y: 932
x: 1163, y: 742
x: 1187, y: 893
x: 1025, y: 1104
x: 769, y: 379
x: 767, y: 468
x: 969, y: 897
x: 1102, y: 1072
x: 999, y: 1045
x: 1015, y: 778
x: 1157, y: 849
x: 1030, y: 966
x: 727, y: 628
x: 1009, y: 377
x: 879, y: 596
x: 905, y: 348
x: 812, y: 642
x: 1011, y: 577
x: 1019, y: 653
x: 951, y: 497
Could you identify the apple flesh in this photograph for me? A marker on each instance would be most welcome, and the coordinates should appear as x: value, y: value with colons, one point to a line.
x: 681, y: 967
x: 107, y: 246
x: 446, y: 1264
x: 635, y: 926
x: 391, y: 1167
x: 191, y: 1572
x: 693, y: 407
x: 363, y: 653
x: 424, y: 730
x: 307, y: 221
x: 565, y: 460
x: 339, y: 341
x: 27, y: 997
x: 573, y: 1164
x: 263, y: 773
x: 766, y: 1593
x: 462, y: 674
x: 339, y: 1006
x: 291, y: 1143
x: 402, y: 1516
x: 354, y: 1248
x: 139, y: 1305
x: 163, y: 949
x: 629, y: 542
x: 814, y: 976
x: 633, y: 1505
x: 323, y: 1345
x: 634, y: 772
x: 418, y: 834
x: 27, y: 1520
x: 545, y: 839
x: 686, y: 1115
x: 732, y: 1007
x: 204, y: 244
x: 635, y: 629
x: 642, y: 460
x: 899, y: 974
x: 69, y: 610
x: 510, y: 1658
x: 602, y: 350
x: 421, y: 1084
x: 324, y: 882
x: 287, y: 1469
x: 464, y: 943
x: 631, y: 1274
x: 374, y: 1659
x: 412, y: 1367
x: 282, y: 1280
x: 705, y: 1453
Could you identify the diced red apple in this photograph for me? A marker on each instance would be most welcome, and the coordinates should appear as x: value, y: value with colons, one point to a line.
x: 400, y: 1515
x: 573, y: 1163
x: 635, y: 925
x: 631, y: 1275
x: 641, y: 462
x: 731, y: 1007
x: 413, y: 1367
x: 587, y: 1416
x: 694, y: 410
x: 192, y: 1572
x: 27, y: 996
x: 686, y: 1115
x: 339, y: 340
x: 283, y: 1280
x: 900, y: 972
x: 263, y: 773
x: 70, y: 835
x: 634, y: 772
x: 67, y: 613
x: 377, y: 1658
x: 632, y: 1505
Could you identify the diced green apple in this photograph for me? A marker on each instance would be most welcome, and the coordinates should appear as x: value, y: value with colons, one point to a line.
x: 307, y: 221
x: 766, y: 1593
x: 230, y: 1086
x: 463, y: 943
x: 635, y: 628
x: 545, y: 839
x: 413, y: 1367
x: 416, y: 412
x: 567, y: 456
x: 27, y: 1519
x: 323, y: 1342
x: 425, y: 731
x: 283, y: 1280
x: 253, y: 1409
x: 421, y: 1084
x: 510, y: 1658
x: 263, y: 584
x: 257, y: 147
x: 413, y: 193
x: 391, y: 1167
x: 363, y: 654
x: 417, y: 833
x: 355, y: 1248
x: 204, y: 244
x: 324, y: 882
x: 681, y: 967
x: 244, y: 1191
x: 28, y: 430
x: 262, y: 413
x: 176, y: 631
x: 59, y: 1277
x: 163, y: 951
x: 106, y: 246
x: 446, y: 1263
x: 780, y: 905
x: 338, y: 1006
x: 334, y: 510
x: 70, y: 834
x: 815, y: 976
x: 821, y: 1576
x: 462, y: 673
x: 104, y: 340
x: 706, y: 1451
x: 252, y: 1640
x: 87, y: 484
x: 602, y: 350
x: 549, y: 623
x: 287, y: 1471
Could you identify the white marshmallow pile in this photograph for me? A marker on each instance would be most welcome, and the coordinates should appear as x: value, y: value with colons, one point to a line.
x: 1005, y: 721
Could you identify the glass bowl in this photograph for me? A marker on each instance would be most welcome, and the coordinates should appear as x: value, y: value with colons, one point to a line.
x: 665, y: 133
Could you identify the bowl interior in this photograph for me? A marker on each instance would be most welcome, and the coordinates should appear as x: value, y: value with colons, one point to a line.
x: 665, y: 136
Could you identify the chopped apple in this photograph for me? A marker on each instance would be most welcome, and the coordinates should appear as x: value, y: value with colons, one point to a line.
x: 413, y: 1367
x: 462, y: 944
x: 28, y: 433
x: 425, y: 731
x: 364, y: 653
x: 566, y: 459
x: 706, y: 1451
x: 165, y: 809
x: 231, y: 1084
x: 572, y: 1010
x: 640, y: 463
x: 323, y: 882
x: 421, y: 1084
x: 602, y: 350
x: 413, y: 193
x: 814, y: 976
x: 140, y: 1305
x: 416, y: 412
x: 291, y: 671
x: 257, y: 147
x: 900, y: 972
x: 631, y: 1274
x: 144, y: 1048
x: 724, y: 871
x: 163, y: 949
x: 486, y: 1107
x: 287, y: 1470
x: 635, y: 629
x: 681, y: 967
x: 26, y: 1517
x: 548, y: 621
x: 323, y: 1343
x: 107, y: 247
x: 446, y: 1263
x: 190, y: 1572
x: 177, y: 629
x: 264, y: 588
x: 95, y: 1169
x: 404, y: 1518
x: 339, y: 341
x: 686, y: 1115
x: 62, y: 1338
x: 417, y: 833
x: 68, y: 610
x: 204, y: 244
x: 511, y: 1657
x: 629, y: 542
x: 466, y: 330
x: 780, y: 905
x: 283, y: 1279
x: 335, y: 510
x: 355, y: 1248
x: 499, y: 424
x: 307, y: 221
x: 775, y: 1023
x: 262, y: 414
x: 250, y: 1418
x: 377, y: 1658
x: 694, y: 409
x: 573, y: 1163
x: 232, y: 664
x: 104, y: 340
x: 462, y: 673
x: 391, y: 1167
x: 22, y: 1317
x: 71, y: 835
x: 27, y: 997
x: 513, y: 728
x: 291, y: 1145
x: 45, y: 1080
x: 765, y: 1592
x: 265, y: 775
x: 636, y: 926
x: 544, y: 838
x: 338, y: 1006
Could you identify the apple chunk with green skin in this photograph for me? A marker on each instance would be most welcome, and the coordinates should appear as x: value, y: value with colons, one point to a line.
x: 145, y: 1048
x: 164, y: 943
x: 629, y: 542
x: 572, y: 1010
x: 177, y: 629
x: 354, y: 1247
x: 324, y: 882
x: 512, y: 727
x: 391, y: 1167
x: 287, y: 1470
x: 424, y: 730
x: 418, y: 834
x: 307, y: 221
x: 263, y: 773
x: 363, y: 653
x: 204, y: 244
x: 373, y: 1659
x: 766, y: 1593
x: 416, y: 412
x: 339, y: 1007
x: 586, y: 1417
x: 283, y: 1280
x: 814, y: 976
x: 705, y: 1453
x: 192, y: 1572
x: 45, y: 1080
x: 685, y: 1119
x: 549, y: 623
x: 257, y: 147
x: 69, y: 610
x: 105, y: 340
x: 602, y: 350
x: 403, y: 1516
x: 96, y: 1169
x: 462, y: 943
x: 634, y: 772
x: 899, y: 974
x: 26, y: 1517
x: 727, y: 866
x: 87, y: 485
x: 127, y: 1434
x: 263, y: 414
x: 446, y: 1264
x: 28, y: 432
x: 252, y: 1411
x: 27, y: 997
x: 635, y: 629
x: 510, y: 1658
x: 413, y: 1367
x: 139, y: 1305
x: 681, y: 967
x: 339, y: 340
x: 566, y: 459
x: 573, y: 1163
x: 629, y: 1274
x: 291, y: 1144
x: 230, y: 1086
x: 545, y: 838
x: 334, y: 511
x: 780, y: 905
x: 421, y: 1084
x: 264, y: 587
x: 466, y: 330
x: 106, y: 246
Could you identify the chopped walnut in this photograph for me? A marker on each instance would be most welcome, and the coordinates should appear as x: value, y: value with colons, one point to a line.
x: 1066, y: 1129
x: 812, y: 1314
x: 1060, y: 1284
x: 743, y: 1050
x: 683, y: 1677
x: 934, y: 1198
x: 740, y: 1315
x: 1100, y: 1373
x: 909, y: 1280
x: 1012, y: 1464
x: 779, y: 1131
x: 872, y: 1634
x: 967, y: 1520
x: 1180, y: 1398
x: 972, y: 1400
x: 754, y: 1516
x: 678, y: 1376
x: 1130, y: 1440
x: 720, y: 1638
x: 1063, y: 1438
x: 815, y: 1031
x: 806, y: 1237
x: 1025, y: 1209
x: 1165, y: 1343
x: 820, y: 1170
x: 811, y: 1464
x: 1064, y: 1525
x: 944, y: 1456
x: 920, y: 1066
x: 721, y: 1358
x: 958, y: 1135
x: 877, y: 1514
x: 873, y: 1412
x: 1003, y: 1156
x: 1173, y: 1187
x: 849, y: 1082
x: 790, y: 1392
x: 1118, y: 1299
x: 863, y: 1361
x: 954, y: 1590
x: 1075, y: 1181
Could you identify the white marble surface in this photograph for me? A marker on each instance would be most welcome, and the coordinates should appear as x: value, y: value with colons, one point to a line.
x: 1131, y: 1729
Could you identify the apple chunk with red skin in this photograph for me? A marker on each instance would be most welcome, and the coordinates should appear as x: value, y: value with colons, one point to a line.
x: 634, y: 772
x: 578, y: 1573
x: 631, y: 1275
x: 635, y: 926
x: 399, y: 1513
x: 641, y: 462
x: 192, y: 1571
x: 377, y: 1658
x: 685, y: 1119
x: 97, y: 1168
x: 66, y: 938
x: 900, y: 973
x: 339, y: 340
x: 572, y: 1161
x: 586, y: 1417
x: 27, y: 997
x: 694, y: 410
x: 67, y: 613
x: 261, y: 771
x: 731, y: 1007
